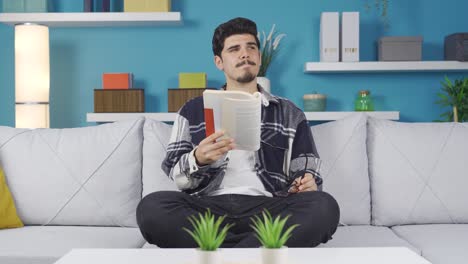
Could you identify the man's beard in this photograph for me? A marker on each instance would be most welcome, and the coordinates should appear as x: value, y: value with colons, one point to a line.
x: 246, y: 78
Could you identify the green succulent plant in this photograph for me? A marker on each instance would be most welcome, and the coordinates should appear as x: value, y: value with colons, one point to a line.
x: 207, y: 233
x: 269, y: 231
x: 454, y: 95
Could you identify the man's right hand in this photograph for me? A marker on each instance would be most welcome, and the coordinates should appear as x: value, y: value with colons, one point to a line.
x: 209, y: 150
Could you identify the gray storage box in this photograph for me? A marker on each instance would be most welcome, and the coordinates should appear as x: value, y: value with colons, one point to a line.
x: 400, y: 48
x: 456, y: 47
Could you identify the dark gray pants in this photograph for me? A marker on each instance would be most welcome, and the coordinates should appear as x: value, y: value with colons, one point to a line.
x: 161, y: 216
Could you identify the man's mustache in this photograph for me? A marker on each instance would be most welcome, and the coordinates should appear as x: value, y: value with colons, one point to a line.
x: 244, y: 62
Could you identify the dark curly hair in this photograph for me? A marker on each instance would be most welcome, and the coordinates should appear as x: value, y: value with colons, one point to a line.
x: 234, y: 26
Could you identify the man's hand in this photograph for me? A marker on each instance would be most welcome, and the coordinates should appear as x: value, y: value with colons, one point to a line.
x: 306, y: 184
x: 211, y: 150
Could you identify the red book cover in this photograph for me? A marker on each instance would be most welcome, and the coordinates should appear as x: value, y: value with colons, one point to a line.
x: 209, y: 121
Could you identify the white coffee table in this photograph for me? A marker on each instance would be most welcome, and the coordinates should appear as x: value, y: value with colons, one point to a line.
x: 396, y: 255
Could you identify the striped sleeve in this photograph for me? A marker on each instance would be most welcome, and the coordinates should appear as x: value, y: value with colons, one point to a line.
x: 180, y: 164
x: 304, y: 157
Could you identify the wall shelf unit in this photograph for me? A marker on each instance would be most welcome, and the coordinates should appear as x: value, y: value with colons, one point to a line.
x: 169, y: 117
x: 94, y: 19
x: 385, y: 66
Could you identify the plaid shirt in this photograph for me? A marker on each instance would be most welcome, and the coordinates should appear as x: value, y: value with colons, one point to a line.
x: 287, y: 149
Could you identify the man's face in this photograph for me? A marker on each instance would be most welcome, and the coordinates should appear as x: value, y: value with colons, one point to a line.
x: 240, y: 58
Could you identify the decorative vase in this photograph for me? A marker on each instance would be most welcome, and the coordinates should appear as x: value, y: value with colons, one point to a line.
x: 274, y: 255
x: 264, y: 83
x: 209, y: 257
x: 364, y: 101
x: 315, y: 102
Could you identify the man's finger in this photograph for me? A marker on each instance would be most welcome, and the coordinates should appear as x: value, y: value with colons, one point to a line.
x: 307, y: 177
x: 220, y: 144
x: 212, y: 137
x: 308, y: 183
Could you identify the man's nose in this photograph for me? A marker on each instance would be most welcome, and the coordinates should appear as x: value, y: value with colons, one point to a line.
x: 244, y: 54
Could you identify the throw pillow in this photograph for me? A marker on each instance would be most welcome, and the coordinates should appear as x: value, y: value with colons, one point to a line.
x: 8, y: 215
x: 341, y: 146
x: 418, y: 172
x: 156, y: 135
x: 75, y: 176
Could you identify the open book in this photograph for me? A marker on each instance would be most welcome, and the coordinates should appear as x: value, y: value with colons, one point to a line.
x: 237, y: 113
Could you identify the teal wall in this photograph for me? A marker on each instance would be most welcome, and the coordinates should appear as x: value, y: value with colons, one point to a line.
x: 155, y: 55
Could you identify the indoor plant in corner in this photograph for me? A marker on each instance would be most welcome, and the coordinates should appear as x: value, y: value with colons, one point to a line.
x: 208, y: 235
x: 455, y: 96
x: 269, y: 47
x: 270, y: 233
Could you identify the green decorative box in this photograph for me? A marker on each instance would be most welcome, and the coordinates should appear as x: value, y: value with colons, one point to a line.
x: 25, y: 6
x: 192, y: 80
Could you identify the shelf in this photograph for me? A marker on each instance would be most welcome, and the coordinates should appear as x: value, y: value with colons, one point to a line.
x: 385, y: 66
x: 94, y: 19
x: 169, y: 117
x: 327, y: 116
x: 112, y: 117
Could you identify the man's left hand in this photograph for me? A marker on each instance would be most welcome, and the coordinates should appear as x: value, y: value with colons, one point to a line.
x: 306, y: 184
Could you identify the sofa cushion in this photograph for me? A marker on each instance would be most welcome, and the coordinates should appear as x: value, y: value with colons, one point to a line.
x: 156, y: 136
x: 341, y: 146
x: 440, y: 244
x: 367, y: 236
x: 46, y: 244
x: 78, y: 176
x: 359, y: 236
x: 418, y: 172
x: 8, y: 216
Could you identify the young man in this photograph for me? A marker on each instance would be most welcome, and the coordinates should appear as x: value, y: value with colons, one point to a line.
x: 282, y: 176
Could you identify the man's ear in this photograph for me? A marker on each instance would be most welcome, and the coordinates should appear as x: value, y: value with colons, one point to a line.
x: 219, y: 62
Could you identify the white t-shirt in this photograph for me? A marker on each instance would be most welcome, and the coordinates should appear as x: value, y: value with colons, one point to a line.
x: 240, y: 176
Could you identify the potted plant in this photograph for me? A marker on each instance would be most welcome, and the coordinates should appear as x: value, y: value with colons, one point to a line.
x: 269, y: 47
x: 455, y: 96
x: 208, y: 235
x: 270, y: 233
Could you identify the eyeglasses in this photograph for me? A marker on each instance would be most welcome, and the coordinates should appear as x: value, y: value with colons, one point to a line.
x: 287, y: 191
x: 297, y: 182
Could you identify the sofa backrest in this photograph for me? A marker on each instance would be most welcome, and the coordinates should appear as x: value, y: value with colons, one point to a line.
x: 418, y: 172
x: 341, y: 145
x: 78, y: 176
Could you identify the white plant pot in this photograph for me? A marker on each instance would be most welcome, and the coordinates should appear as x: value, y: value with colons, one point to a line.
x: 264, y: 83
x: 274, y: 255
x: 209, y: 257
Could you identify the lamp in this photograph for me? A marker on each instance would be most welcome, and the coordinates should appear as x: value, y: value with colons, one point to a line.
x: 32, y: 76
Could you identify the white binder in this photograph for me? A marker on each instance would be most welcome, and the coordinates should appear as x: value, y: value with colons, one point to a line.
x: 350, y: 36
x: 329, y: 37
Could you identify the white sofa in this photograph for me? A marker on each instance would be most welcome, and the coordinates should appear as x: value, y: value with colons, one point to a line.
x: 398, y: 184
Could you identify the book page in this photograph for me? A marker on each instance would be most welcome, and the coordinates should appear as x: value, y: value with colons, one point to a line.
x: 237, y: 113
x: 241, y: 120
